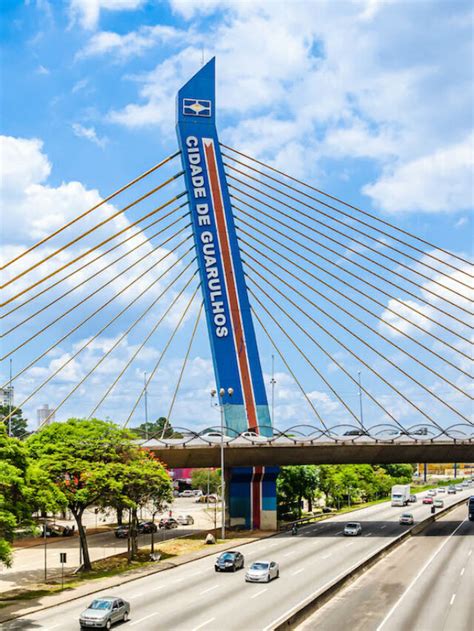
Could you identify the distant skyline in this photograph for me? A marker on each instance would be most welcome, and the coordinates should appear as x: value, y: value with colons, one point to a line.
x: 370, y: 100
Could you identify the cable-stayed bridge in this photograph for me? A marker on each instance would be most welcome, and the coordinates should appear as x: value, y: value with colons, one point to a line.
x: 212, y: 245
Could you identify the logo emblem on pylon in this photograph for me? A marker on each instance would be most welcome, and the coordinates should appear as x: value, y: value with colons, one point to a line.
x: 196, y: 107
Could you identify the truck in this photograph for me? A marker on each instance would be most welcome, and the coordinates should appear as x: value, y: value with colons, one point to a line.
x: 470, y: 508
x: 400, y: 494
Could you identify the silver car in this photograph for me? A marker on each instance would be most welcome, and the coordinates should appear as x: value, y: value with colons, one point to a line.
x: 102, y: 613
x: 352, y: 529
x: 262, y: 572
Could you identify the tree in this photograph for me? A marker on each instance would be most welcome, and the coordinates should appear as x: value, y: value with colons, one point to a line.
x: 206, y: 478
x: 297, y: 482
x: 155, y: 429
x: 80, y: 458
x: 16, y: 423
x: 403, y: 472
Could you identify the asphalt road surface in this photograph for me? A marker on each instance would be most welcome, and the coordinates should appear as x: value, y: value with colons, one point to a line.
x: 193, y: 596
x: 426, y: 583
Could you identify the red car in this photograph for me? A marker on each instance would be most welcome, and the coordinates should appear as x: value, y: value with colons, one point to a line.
x: 427, y: 500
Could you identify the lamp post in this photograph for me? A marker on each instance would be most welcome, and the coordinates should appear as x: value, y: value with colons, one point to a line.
x: 222, y: 393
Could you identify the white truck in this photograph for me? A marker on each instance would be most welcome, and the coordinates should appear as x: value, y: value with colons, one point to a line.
x: 400, y: 494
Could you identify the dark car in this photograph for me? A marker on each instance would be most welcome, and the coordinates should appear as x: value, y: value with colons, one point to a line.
x: 168, y: 522
x: 146, y: 527
x: 121, y: 532
x: 56, y: 530
x: 356, y: 432
x: 229, y: 561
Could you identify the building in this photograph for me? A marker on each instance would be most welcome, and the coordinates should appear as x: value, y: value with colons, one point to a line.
x: 6, y: 396
x: 42, y: 414
x: 463, y: 469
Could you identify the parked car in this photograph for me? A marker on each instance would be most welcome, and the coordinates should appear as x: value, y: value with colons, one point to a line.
x: 253, y: 436
x: 438, y: 503
x: 352, y: 529
x: 185, y: 520
x: 412, y: 499
x: 186, y: 493
x: 406, y: 519
x: 56, y: 530
x: 229, y: 561
x: 168, y: 522
x: 356, y: 432
x: 451, y: 490
x: 197, y: 492
x: 427, y: 500
x: 102, y: 613
x: 146, y: 527
x: 121, y: 532
x: 262, y: 572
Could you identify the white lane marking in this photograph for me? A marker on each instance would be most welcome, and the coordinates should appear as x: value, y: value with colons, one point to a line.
x: 452, y: 599
x: 420, y: 573
x: 369, y: 534
x: 382, y: 527
x: 462, y: 571
x: 155, y: 589
x: 469, y: 553
x: 326, y: 556
x: 150, y: 615
x: 178, y: 580
x: 297, y: 572
x: 288, y: 554
x: 272, y: 545
x: 262, y: 591
x: 203, y: 624
x: 350, y: 544
x: 209, y: 589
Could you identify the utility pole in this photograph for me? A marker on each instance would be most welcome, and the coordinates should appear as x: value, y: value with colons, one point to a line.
x: 222, y: 392
x: 145, y: 399
x: 273, y: 382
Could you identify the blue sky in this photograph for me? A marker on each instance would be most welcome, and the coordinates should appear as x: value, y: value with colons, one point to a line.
x: 371, y: 100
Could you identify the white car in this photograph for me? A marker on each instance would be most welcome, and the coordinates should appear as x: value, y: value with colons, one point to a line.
x: 253, y: 436
x: 214, y: 437
x: 186, y: 493
x: 185, y: 520
x: 262, y: 572
x: 352, y: 529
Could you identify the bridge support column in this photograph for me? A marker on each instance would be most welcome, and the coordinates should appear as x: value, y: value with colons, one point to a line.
x: 252, y: 497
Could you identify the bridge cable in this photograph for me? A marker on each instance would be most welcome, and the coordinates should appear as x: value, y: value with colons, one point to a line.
x: 96, y: 247
x: 86, y: 280
x: 348, y: 330
x: 364, y: 212
x: 338, y: 306
x: 338, y: 364
x: 165, y: 348
x: 379, y: 252
x: 360, y: 278
x: 282, y: 357
x: 139, y: 232
x: 77, y: 326
x: 168, y: 417
x: 96, y: 335
x: 98, y: 289
x: 105, y: 355
x: 346, y: 247
x: 87, y: 232
x: 140, y: 348
x: 101, y: 203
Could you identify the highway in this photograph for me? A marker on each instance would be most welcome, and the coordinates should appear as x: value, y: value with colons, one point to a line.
x: 426, y: 583
x: 192, y: 597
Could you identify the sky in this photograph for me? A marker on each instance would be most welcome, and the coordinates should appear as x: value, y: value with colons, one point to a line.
x: 371, y: 100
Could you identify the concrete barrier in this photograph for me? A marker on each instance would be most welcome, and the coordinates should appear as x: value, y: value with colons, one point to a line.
x: 315, y: 601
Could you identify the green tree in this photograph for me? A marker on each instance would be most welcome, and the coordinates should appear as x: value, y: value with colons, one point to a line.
x: 16, y: 423
x: 297, y: 482
x: 206, y: 478
x: 156, y: 429
x: 80, y: 458
x: 403, y: 472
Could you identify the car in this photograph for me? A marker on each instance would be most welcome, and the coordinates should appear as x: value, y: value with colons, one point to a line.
x: 352, y: 529
x: 356, y: 432
x: 56, y: 530
x: 253, y: 436
x: 214, y: 437
x: 451, y: 490
x: 186, y: 493
x: 103, y: 612
x: 197, y: 492
x: 406, y: 519
x: 412, y: 499
x: 185, y: 520
x: 432, y: 492
x: 427, y: 500
x: 442, y: 490
x: 121, y: 532
x: 229, y: 561
x: 458, y: 487
x: 167, y: 523
x: 262, y: 572
x: 203, y: 499
x: 146, y: 527
x: 438, y: 503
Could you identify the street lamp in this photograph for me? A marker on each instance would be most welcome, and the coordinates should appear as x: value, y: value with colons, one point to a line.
x: 222, y: 394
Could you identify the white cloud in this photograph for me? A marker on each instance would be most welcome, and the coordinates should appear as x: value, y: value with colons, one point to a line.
x: 23, y: 164
x: 90, y: 134
x: 442, y: 181
x: 87, y: 12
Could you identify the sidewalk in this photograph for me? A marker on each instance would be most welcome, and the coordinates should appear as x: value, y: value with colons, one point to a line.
x: 26, y: 607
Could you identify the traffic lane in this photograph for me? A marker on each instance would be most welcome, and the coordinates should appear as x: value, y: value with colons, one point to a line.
x: 363, y: 605
x: 281, y: 548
